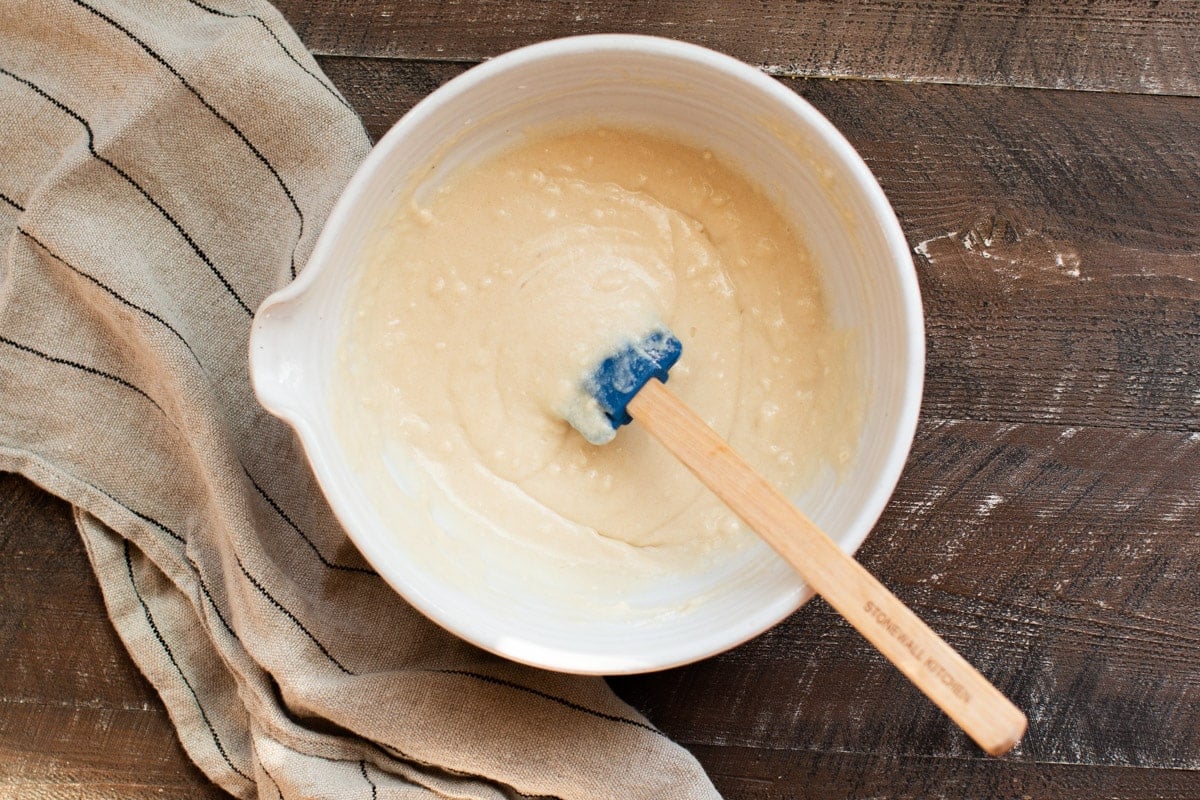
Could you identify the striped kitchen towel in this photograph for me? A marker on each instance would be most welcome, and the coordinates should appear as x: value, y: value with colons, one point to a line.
x: 164, y: 165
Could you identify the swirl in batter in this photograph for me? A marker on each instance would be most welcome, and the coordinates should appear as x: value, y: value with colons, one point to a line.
x: 481, y: 307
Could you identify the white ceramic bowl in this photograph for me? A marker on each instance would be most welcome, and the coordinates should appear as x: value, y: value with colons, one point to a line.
x: 776, y: 138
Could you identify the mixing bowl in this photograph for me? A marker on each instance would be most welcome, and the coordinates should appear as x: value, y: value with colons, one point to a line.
x: 766, y: 131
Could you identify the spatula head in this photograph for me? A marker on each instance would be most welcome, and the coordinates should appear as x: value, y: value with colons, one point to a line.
x: 618, y: 378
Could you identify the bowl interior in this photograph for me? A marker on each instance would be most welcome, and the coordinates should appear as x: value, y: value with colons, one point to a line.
x: 705, y: 99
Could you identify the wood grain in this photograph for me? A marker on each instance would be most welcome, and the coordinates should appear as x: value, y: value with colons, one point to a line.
x: 76, y: 717
x: 1060, y: 561
x: 1045, y: 524
x: 799, y: 774
x: 1055, y: 236
x: 1110, y: 45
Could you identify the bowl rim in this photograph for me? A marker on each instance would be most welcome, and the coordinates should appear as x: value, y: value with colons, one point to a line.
x: 881, y: 211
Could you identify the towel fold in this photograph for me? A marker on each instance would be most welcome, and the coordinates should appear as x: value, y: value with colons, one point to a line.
x: 163, y: 167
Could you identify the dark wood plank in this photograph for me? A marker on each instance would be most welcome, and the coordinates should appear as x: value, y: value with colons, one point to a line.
x: 1059, y: 560
x: 1112, y: 45
x: 1054, y: 234
x: 1045, y: 523
x: 798, y: 774
x: 77, y: 719
x: 1055, y: 242
x: 382, y: 90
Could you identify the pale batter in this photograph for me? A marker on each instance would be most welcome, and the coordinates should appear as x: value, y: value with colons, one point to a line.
x: 483, y: 304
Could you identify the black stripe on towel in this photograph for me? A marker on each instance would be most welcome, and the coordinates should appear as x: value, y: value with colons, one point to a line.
x: 140, y: 515
x: 400, y: 755
x: 111, y: 291
x: 177, y: 537
x: 544, y: 695
x: 216, y: 609
x: 362, y: 766
x: 295, y: 620
x: 91, y: 143
x: 236, y: 130
x: 279, y: 42
x: 82, y: 367
x: 262, y: 493
x: 271, y: 778
x: 170, y: 655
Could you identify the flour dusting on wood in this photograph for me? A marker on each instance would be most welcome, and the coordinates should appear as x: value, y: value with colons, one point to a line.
x: 1010, y: 248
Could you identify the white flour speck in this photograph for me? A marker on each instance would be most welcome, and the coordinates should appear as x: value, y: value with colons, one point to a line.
x: 990, y: 502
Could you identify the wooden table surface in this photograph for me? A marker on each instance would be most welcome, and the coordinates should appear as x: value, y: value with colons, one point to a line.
x: 1044, y: 161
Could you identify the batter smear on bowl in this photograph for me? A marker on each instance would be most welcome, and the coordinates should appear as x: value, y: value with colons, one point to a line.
x: 480, y: 303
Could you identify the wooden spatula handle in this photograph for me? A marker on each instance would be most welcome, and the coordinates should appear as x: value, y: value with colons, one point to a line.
x: 942, y: 674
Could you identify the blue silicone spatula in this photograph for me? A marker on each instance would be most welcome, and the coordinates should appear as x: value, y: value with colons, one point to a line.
x: 630, y: 385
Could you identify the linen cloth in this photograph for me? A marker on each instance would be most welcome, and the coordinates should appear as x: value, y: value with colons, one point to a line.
x: 163, y: 167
